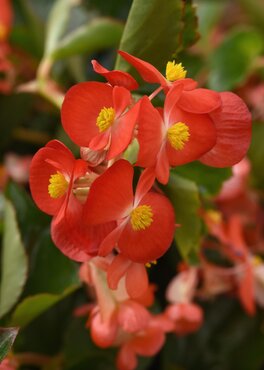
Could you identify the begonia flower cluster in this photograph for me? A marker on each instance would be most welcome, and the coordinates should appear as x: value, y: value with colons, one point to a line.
x: 112, y: 214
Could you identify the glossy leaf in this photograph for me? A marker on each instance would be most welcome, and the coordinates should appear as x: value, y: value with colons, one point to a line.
x: 184, y: 196
x: 151, y: 27
x: 31, y: 307
x: 7, y: 337
x: 98, y: 34
x: 62, y: 272
x: 233, y: 60
x: 208, y: 179
x: 56, y: 24
x: 14, y: 262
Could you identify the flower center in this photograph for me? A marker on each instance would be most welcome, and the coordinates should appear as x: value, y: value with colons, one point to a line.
x: 141, y: 217
x: 175, y: 71
x: 178, y: 134
x: 58, y: 185
x: 105, y: 118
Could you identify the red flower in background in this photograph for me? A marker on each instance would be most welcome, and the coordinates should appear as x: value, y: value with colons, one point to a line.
x: 145, y: 221
x: 6, y: 68
x: 99, y: 116
x: 53, y: 174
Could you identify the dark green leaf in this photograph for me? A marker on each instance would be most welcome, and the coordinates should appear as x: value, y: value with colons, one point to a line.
x: 62, y: 272
x: 31, y: 307
x: 7, y: 337
x: 30, y: 219
x: 256, y: 155
x: 184, y: 196
x: 189, y: 34
x: 14, y: 262
x: 208, y: 179
x: 154, y: 33
x: 99, y: 34
x: 233, y: 60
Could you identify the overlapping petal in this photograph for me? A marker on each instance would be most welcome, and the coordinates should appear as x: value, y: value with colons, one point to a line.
x: 116, y: 78
x: 233, y: 126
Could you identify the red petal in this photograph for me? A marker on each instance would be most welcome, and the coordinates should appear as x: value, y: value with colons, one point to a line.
x: 103, y: 333
x: 162, y: 169
x: 117, y: 270
x: 46, y: 162
x: 111, y: 194
x: 116, y: 78
x: 199, y: 101
x: 126, y: 358
x: 147, y: 245
x: 122, y: 132
x: 233, y: 126
x: 146, y: 70
x: 121, y: 99
x: 110, y: 241
x: 202, y: 137
x: 81, y: 107
x: 150, y: 134
x: 132, y: 316
x: 172, y: 99
x: 100, y: 141
x: 149, y: 342
x: 136, y: 280
x: 144, y: 184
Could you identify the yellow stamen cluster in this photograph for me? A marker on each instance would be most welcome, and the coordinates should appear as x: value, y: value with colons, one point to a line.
x: 178, y: 134
x: 105, y: 118
x: 141, y: 217
x: 257, y: 261
x: 58, y: 185
x: 2, y: 32
x: 215, y: 216
x: 174, y: 71
x: 149, y: 264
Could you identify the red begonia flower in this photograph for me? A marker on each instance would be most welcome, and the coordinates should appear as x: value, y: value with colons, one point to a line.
x: 202, y: 100
x: 187, y: 317
x: 6, y: 18
x: 145, y: 221
x: 99, y: 116
x: 116, y: 78
x: 173, y: 136
x: 233, y: 126
x: 53, y: 172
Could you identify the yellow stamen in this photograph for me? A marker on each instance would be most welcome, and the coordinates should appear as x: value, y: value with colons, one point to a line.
x: 2, y: 32
x: 105, y: 118
x: 58, y: 185
x: 178, y: 134
x: 149, y: 264
x: 141, y: 217
x: 215, y: 216
x: 175, y: 71
x: 257, y: 261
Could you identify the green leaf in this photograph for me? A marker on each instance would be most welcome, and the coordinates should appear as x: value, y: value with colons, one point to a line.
x: 155, y: 32
x: 256, y: 155
x: 31, y: 307
x: 14, y: 262
x: 56, y: 24
x: 62, y: 272
x: 7, y: 337
x: 30, y: 219
x: 232, y: 61
x: 208, y: 179
x: 98, y: 34
x: 184, y: 196
x: 189, y: 34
